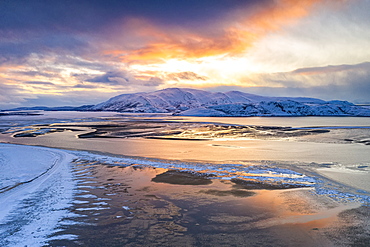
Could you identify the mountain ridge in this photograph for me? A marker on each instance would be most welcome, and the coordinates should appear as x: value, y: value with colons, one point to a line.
x: 180, y: 99
x: 195, y: 102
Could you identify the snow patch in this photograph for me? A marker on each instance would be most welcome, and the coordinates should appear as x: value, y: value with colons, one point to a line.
x: 32, y: 210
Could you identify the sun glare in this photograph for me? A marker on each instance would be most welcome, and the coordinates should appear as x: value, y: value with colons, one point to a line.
x: 215, y: 70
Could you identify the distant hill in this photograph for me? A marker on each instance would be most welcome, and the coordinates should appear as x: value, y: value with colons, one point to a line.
x: 56, y: 108
x: 193, y: 102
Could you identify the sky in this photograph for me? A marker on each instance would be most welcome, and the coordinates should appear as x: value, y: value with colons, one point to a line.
x: 69, y: 52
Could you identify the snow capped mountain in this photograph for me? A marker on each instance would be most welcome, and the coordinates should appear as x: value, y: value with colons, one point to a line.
x: 193, y: 102
x: 166, y: 100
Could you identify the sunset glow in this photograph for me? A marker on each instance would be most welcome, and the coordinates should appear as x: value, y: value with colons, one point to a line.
x: 102, y: 49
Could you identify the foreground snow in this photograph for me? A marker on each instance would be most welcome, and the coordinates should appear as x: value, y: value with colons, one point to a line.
x: 20, y: 164
x: 37, y: 190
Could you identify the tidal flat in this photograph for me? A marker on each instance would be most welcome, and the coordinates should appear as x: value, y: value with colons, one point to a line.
x: 146, y: 206
x: 160, y: 180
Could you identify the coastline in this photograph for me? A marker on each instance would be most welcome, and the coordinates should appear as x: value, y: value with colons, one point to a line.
x: 138, y: 191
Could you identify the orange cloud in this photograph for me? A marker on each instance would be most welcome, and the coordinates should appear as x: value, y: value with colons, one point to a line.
x: 235, y: 36
x: 184, y: 45
x: 278, y: 14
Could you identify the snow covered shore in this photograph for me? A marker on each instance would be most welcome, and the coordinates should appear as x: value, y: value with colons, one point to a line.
x: 51, y: 196
x: 36, y: 190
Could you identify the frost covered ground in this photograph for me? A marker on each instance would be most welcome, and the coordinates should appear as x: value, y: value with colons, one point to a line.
x: 36, y: 191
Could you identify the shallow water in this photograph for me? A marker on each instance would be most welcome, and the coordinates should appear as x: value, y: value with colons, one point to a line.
x: 128, y: 206
x: 266, y: 139
x: 132, y: 208
x: 345, y: 146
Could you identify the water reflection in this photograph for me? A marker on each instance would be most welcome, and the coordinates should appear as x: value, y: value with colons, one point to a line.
x: 231, y: 139
x: 125, y: 204
x: 153, y: 205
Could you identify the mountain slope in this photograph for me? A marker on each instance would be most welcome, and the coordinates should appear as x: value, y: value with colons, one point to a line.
x: 167, y: 100
x: 192, y: 102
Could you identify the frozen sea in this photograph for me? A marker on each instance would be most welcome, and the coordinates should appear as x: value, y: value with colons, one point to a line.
x: 76, y: 178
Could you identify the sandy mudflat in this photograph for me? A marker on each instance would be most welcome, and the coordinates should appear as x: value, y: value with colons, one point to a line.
x: 146, y: 206
x: 250, y: 185
x: 357, y: 178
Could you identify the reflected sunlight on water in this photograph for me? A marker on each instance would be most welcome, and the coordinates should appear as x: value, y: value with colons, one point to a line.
x: 212, y: 184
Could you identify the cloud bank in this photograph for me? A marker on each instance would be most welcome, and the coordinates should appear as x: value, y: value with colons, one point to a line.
x: 65, y: 49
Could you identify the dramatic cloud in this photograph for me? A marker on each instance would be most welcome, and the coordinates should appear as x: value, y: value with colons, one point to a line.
x: 232, y: 35
x: 111, y: 77
x: 187, y: 75
x: 124, y: 78
x: 93, y: 49
x: 332, y: 69
x: 346, y: 82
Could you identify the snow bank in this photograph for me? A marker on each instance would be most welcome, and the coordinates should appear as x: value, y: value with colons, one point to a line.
x: 20, y: 164
x: 40, y: 192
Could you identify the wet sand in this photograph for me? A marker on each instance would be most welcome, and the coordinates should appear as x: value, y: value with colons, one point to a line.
x: 185, y: 139
x: 136, y: 206
x: 147, y: 206
x: 208, y: 150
